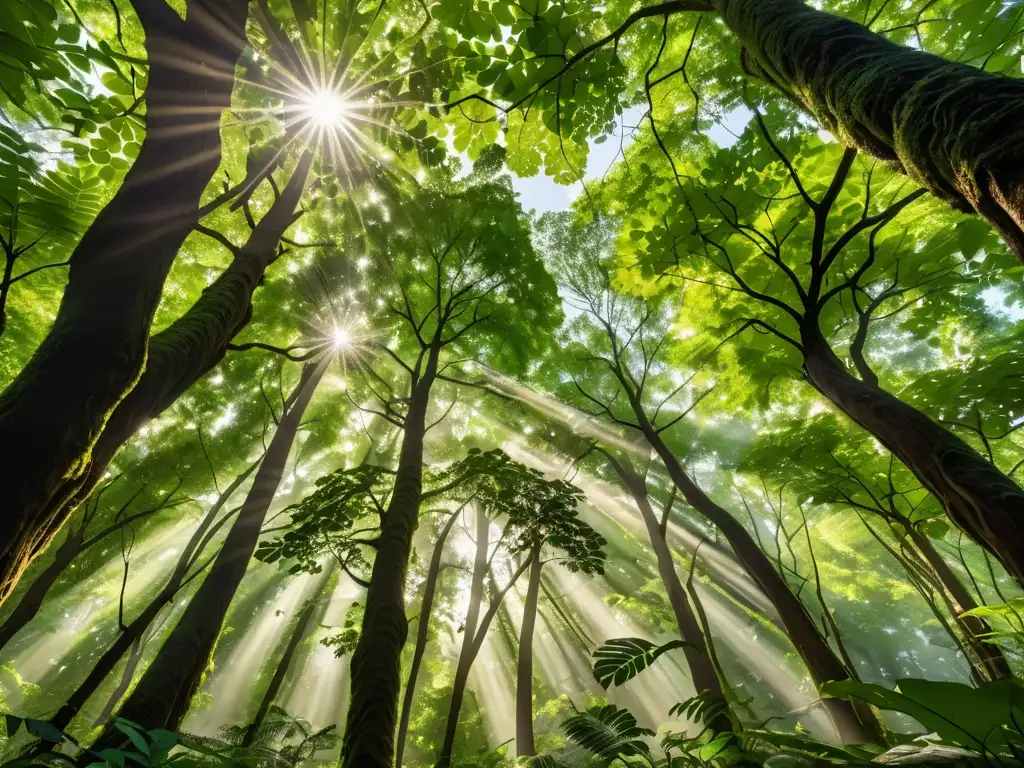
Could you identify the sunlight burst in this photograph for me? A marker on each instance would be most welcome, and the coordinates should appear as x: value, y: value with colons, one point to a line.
x: 326, y: 108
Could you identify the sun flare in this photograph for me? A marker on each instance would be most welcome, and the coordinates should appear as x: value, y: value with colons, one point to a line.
x: 326, y: 108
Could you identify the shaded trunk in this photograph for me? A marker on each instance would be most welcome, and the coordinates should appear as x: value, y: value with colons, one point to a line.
x: 953, y: 128
x: 133, y: 634
x: 162, y: 696
x: 525, y: 746
x: 30, y: 603
x: 821, y: 661
x: 52, y: 413
x: 975, y: 628
x: 698, y: 659
x: 294, y: 639
x: 193, y: 345
x: 132, y: 664
x: 422, y: 634
x: 469, y: 635
x: 376, y: 665
x: 981, y: 500
x: 469, y: 654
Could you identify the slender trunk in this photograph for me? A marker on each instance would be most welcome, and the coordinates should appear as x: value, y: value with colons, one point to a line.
x: 422, y: 634
x: 193, y: 345
x: 525, y: 746
x: 978, y: 498
x: 468, y: 655
x: 698, y: 659
x: 821, y: 661
x: 162, y: 696
x: 133, y: 634
x: 953, y: 128
x: 376, y: 665
x: 132, y: 664
x: 52, y: 413
x: 30, y: 603
x: 5, y: 284
x: 469, y: 635
x: 975, y: 628
x: 296, y: 637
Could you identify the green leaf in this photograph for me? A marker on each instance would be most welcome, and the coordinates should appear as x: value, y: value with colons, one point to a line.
x: 608, y: 732
x: 622, y: 659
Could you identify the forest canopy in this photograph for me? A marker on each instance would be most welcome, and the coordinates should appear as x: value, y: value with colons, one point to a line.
x: 511, y: 382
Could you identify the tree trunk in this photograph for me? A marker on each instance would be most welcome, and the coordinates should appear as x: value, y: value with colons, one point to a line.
x: 469, y: 635
x: 193, y: 345
x: 296, y: 637
x: 376, y: 665
x: 132, y: 664
x: 525, y: 746
x: 953, y: 128
x: 978, y: 498
x: 821, y: 661
x: 468, y: 655
x: 133, y: 634
x: 52, y: 413
x: 30, y: 603
x: 422, y: 634
x: 161, y: 698
x: 974, y: 627
x: 698, y: 659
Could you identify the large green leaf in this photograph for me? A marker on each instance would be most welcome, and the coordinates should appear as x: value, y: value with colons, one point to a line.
x: 608, y: 732
x: 621, y: 659
x: 982, y: 719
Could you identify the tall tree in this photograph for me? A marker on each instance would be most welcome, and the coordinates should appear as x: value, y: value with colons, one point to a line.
x: 188, y: 567
x: 463, y: 272
x: 162, y: 696
x: 621, y: 342
x: 841, y: 264
x: 52, y: 413
x: 698, y: 654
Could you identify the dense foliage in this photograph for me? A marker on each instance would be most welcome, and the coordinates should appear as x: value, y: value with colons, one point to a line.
x: 471, y: 382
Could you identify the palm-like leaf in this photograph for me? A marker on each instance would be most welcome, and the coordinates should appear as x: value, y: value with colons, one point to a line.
x: 623, y: 658
x: 608, y: 732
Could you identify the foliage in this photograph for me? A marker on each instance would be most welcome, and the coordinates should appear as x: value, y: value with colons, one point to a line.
x: 608, y: 732
x: 985, y: 719
x: 621, y: 659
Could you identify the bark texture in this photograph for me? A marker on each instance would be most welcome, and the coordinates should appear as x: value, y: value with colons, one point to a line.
x: 955, y: 129
x: 193, y: 345
x: 422, y: 634
x: 162, y: 696
x: 52, y: 413
x: 376, y: 666
x: 981, y: 500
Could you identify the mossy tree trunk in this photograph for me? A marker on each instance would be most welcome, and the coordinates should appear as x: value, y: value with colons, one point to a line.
x: 194, y: 344
x: 981, y: 500
x: 55, y: 409
x: 161, y: 698
x: 955, y: 129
